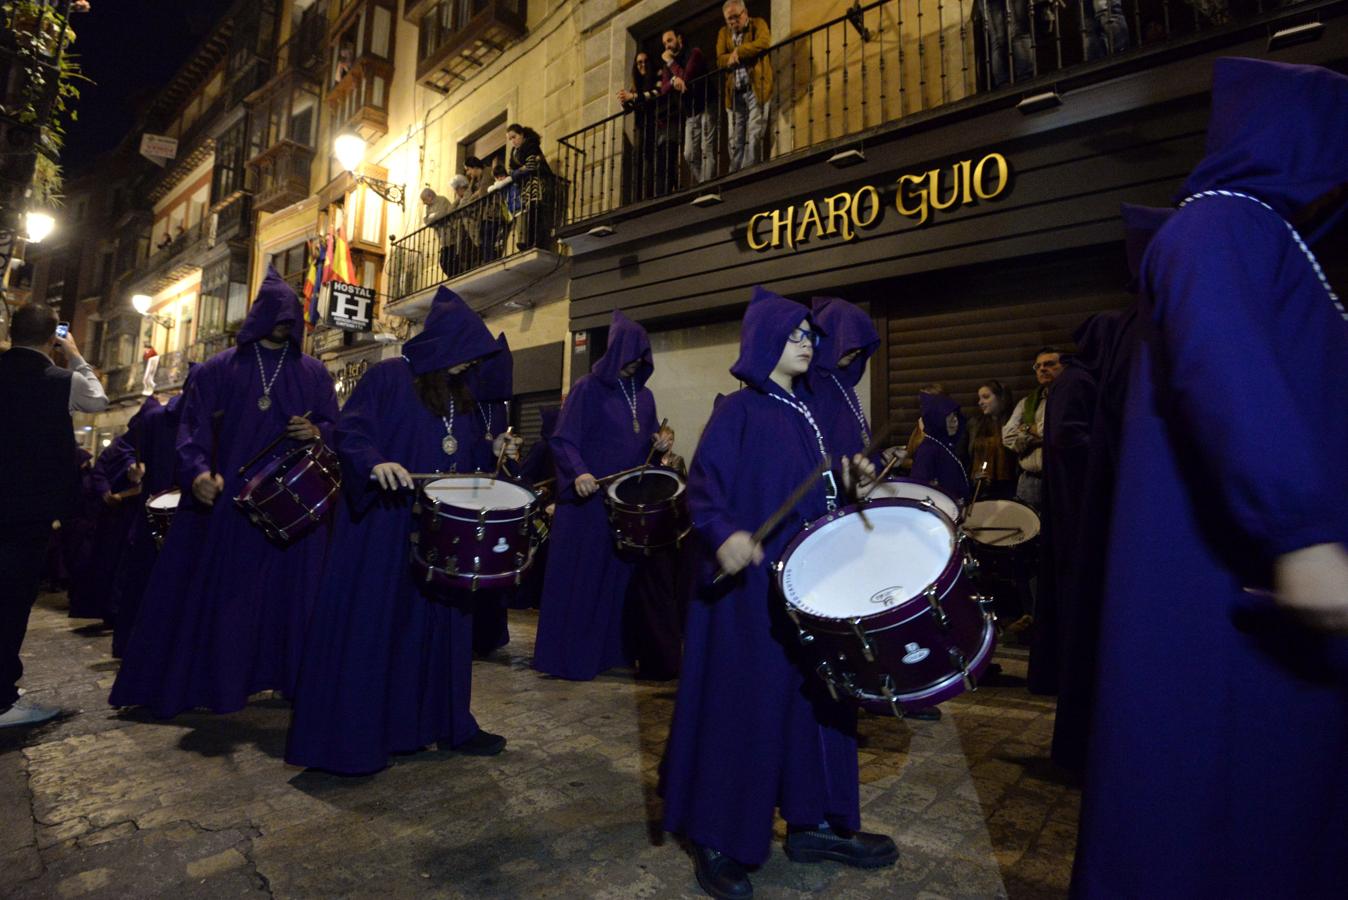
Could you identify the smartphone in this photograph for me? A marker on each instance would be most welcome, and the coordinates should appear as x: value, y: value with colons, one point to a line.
x: 62, y: 329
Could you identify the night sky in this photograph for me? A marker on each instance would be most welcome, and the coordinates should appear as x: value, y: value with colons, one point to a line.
x: 130, y: 48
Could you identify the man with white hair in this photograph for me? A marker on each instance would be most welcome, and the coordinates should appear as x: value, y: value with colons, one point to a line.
x: 742, y: 51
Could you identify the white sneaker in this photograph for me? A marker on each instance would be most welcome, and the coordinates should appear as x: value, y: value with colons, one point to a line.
x: 25, y: 712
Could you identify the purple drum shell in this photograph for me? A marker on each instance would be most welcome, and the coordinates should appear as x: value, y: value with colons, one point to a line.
x: 650, y: 512
x: 466, y: 548
x: 293, y: 493
x: 909, y: 644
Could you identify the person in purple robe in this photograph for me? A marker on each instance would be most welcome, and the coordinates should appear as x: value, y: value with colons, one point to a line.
x: 937, y: 457
x: 753, y: 733
x: 607, y: 424
x: 388, y: 667
x: 1216, y: 759
x: 224, y: 613
x: 118, y: 500
x: 536, y: 468
x: 847, y: 342
x: 157, y: 440
x: 493, y: 384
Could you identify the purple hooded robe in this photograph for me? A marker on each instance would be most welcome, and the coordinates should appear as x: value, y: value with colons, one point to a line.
x: 580, y: 626
x: 752, y: 732
x: 224, y: 613
x: 387, y: 668
x: 91, y: 594
x: 844, y: 328
x: 1216, y: 760
x: 936, y: 459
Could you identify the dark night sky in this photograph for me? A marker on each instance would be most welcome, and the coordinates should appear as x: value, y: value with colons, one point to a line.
x: 130, y: 48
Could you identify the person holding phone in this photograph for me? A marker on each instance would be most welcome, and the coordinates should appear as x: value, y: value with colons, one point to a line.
x: 42, y: 481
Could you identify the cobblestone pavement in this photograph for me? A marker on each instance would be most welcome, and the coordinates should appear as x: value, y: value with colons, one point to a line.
x: 98, y: 804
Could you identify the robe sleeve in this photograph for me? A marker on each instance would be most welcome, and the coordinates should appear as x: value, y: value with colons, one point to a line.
x: 197, y: 427
x: 1219, y: 278
x: 1069, y: 413
x: 323, y: 402
x: 358, y: 429
x: 570, y: 431
x: 712, y: 477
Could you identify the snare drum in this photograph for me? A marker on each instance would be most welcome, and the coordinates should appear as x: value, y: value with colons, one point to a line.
x: 159, y: 509
x: 648, y: 509
x: 474, y: 531
x: 292, y: 493
x: 1002, y: 525
x: 912, y: 489
x: 884, y: 611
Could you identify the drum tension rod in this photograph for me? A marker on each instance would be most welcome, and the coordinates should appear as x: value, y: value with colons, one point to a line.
x: 805, y: 637
x: 937, y: 610
x: 867, y: 649
x: 826, y: 672
x: 962, y: 665
x: 888, y: 687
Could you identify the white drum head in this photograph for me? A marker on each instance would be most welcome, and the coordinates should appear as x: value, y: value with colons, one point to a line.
x: 843, y: 571
x: 1001, y: 523
x: 644, y: 489
x: 479, y: 492
x: 911, y: 490
x: 166, y: 500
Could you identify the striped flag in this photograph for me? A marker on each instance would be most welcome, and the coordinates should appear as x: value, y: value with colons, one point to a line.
x: 340, y: 266
x: 313, y: 287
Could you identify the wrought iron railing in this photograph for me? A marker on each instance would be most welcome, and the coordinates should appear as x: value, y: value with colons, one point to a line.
x: 877, y: 63
x: 495, y: 227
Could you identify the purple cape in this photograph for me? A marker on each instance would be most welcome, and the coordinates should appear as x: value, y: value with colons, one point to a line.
x: 752, y: 733
x: 386, y: 668
x: 224, y: 613
x: 1215, y: 763
x: 580, y: 628
x: 845, y: 328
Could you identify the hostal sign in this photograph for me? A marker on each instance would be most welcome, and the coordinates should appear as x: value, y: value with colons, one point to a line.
x: 916, y: 197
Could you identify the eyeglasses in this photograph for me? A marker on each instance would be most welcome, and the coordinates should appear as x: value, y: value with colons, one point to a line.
x: 801, y: 335
x: 1046, y: 365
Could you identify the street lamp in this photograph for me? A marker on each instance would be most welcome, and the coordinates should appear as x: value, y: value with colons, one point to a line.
x: 38, y: 224
x: 350, y: 151
x: 141, y: 304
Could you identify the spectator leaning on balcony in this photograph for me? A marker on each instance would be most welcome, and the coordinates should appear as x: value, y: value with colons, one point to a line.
x: 437, y: 207
x: 530, y: 174
x: 684, y: 66
x: 41, y: 482
x: 742, y: 51
x: 652, y: 126
x: 1007, y: 22
x: 1104, y: 30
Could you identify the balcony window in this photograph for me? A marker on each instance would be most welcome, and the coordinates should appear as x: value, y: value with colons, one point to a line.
x: 361, y: 68
x: 228, y: 174
x: 458, y: 37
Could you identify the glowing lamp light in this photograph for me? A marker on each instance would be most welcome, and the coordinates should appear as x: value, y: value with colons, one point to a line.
x: 141, y: 303
x: 350, y: 150
x: 39, y: 224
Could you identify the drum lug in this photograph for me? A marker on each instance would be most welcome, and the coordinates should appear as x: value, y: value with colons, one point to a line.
x: 962, y: 666
x: 481, y: 532
x: 985, y: 604
x: 970, y: 564
x: 473, y: 589
x: 937, y: 610
x: 477, y: 567
x: 867, y: 649
x: 887, y: 686
x: 826, y: 672
x: 777, y: 568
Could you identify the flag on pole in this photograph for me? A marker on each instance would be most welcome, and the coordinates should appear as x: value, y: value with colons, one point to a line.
x: 313, y: 287
x: 340, y: 266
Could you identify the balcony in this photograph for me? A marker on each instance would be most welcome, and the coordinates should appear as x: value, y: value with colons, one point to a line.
x: 883, y: 65
x: 481, y: 251
x: 281, y: 175
x: 233, y: 218
x: 458, y: 38
x: 359, y: 102
x: 167, y: 264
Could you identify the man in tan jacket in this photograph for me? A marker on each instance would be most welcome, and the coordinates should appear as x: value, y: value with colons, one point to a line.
x: 742, y: 51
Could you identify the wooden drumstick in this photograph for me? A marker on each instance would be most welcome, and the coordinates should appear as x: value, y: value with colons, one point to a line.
x: 607, y: 478
x: 500, y: 460
x: 646, y: 465
x: 270, y: 447
x: 782, y: 511
x: 894, y: 461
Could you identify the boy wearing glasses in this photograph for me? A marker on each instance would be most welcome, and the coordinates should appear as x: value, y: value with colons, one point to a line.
x: 753, y: 732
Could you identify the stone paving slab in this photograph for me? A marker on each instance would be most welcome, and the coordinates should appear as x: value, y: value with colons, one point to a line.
x: 101, y: 804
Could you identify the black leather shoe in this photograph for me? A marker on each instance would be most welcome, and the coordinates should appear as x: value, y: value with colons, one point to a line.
x: 851, y: 848
x: 484, y: 743
x: 719, y: 875
x: 923, y: 713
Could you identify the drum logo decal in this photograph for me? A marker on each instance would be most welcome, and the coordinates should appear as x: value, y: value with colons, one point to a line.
x: 889, y: 596
x: 501, y: 546
x: 915, y: 654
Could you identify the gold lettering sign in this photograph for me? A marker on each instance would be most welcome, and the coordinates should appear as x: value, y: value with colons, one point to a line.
x: 917, y: 196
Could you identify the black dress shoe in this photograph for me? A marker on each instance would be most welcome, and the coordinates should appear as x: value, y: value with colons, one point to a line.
x: 851, y: 848
x: 484, y: 743
x: 923, y: 713
x: 719, y: 875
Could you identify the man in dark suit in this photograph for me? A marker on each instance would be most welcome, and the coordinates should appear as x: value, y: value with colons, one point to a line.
x: 41, y: 479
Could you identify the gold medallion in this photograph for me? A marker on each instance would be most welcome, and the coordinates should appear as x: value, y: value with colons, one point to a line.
x: 449, y: 445
x: 264, y: 403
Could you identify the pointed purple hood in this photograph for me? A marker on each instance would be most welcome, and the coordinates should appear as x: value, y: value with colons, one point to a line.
x: 1277, y: 132
x: 627, y: 341
x: 768, y: 322
x: 453, y: 334
x: 275, y: 303
x: 495, y: 378
x: 936, y: 408
x: 845, y: 328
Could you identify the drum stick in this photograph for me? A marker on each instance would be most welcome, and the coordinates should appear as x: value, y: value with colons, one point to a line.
x: 978, y: 482
x: 889, y: 466
x: 500, y: 460
x: 782, y: 511
x: 544, y: 483
x: 646, y: 465
x: 607, y: 478
x: 270, y: 447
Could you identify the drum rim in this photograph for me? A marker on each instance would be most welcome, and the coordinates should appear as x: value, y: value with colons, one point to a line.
x: 614, y: 500
x: 1002, y: 547
x: 943, y: 583
x: 150, y: 504
x: 960, y: 508
x: 441, y: 508
x: 322, y: 453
